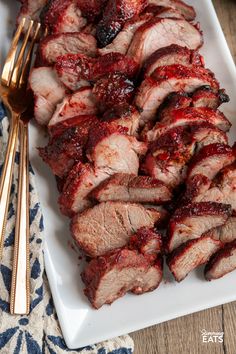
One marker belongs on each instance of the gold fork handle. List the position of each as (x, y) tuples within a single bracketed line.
[(20, 290), (6, 177)]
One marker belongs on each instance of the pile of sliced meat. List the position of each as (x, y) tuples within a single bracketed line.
[(137, 141)]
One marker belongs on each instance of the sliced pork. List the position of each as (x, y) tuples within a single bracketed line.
[(190, 255), (169, 31), (110, 277), (225, 233), (114, 16), (81, 102), (186, 10), (206, 97), (91, 9), (173, 54), (74, 68), (53, 46), (48, 92), (222, 262), (62, 16), (109, 225), (131, 188), (191, 221), (168, 79)]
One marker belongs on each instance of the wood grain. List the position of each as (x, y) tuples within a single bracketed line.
[(183, 335)]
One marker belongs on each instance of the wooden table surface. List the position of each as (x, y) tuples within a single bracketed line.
[(183, 335)]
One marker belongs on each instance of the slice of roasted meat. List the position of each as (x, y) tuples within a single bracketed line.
[(53, 46), (74, 68), (131, 188), (186, 10), (48, 92), (225, 233), (173, 54), (80, 103), (91, 9), (210, 160), (222, 262), (205, 97), (191, 221), (190, 255), (81, 180), (61, 16), (148, 242), (168, 79), (169, 31), (111, 148), (187, 117), (111, 276), (109, 225), (116, 13), (66, 146)]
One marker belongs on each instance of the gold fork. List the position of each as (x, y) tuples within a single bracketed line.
[(13, 91)]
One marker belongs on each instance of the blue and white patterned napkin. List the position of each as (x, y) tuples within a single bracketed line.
[(39, 332)]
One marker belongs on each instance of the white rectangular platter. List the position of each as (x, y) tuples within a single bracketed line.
[(81, 325)]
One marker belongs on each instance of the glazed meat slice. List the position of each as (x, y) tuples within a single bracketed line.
[(109, 225), (175, 100), (223, 188), (114, 17), (163, 12), (187, 11), (74, 68), (30, 9), (191, 221), (131, 188), (210, 160), (225, 233), (173, 54), (79, 183), (91, 9), (109, 147), (82, 102), (187, 117), (207, 134), (53, 46), (168, 31), (48, 92), (61, 16), (66, 146), (125, 116), (195, 186), (111, 276), (147, 242), (168, 79), (190, 255), (168, 157), (222, 262), (113, 89), (205, 97), (122, 41)]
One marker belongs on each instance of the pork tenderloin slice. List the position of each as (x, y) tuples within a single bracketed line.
[(82, 179), (191, 221), (126, 116), (169, 31), (225, 233), (166, 80), (111, 276), (53, 46), (222, 262), (223, 189), (147, 242), (110, 147), (131, 188), (66, 145), (190, 255), (173, 54), (80, 103), (187, 117), (210, 160), (205, 97), (122, 41), (109, 225), (186, 10), (63, 16), (48, 92)]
